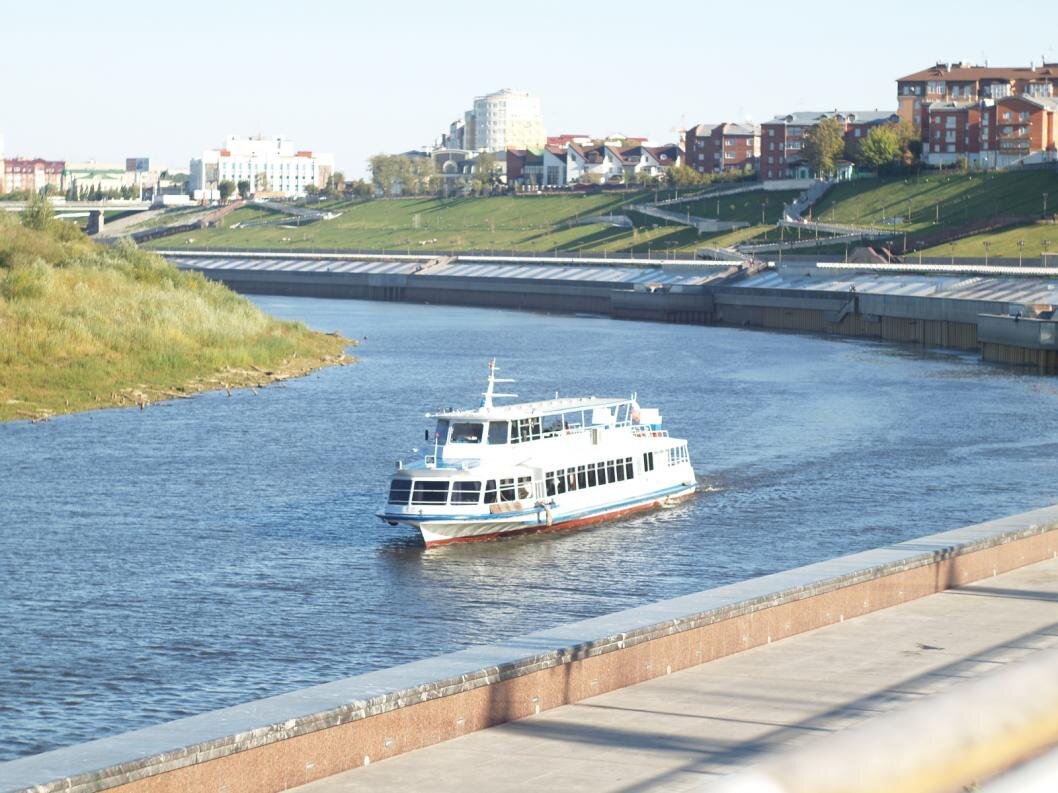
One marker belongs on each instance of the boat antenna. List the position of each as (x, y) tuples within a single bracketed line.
[(489, 393)]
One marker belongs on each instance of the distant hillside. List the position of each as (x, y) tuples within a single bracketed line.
[(923, 211), (83, 326)]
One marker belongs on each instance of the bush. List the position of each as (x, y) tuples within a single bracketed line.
[(26, 282)]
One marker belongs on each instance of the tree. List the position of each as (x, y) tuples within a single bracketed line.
[(226, 188), (243, 186), (383, 172), (684, 176), (879, 149), (360, 188), (590, 177), (822, 146), (38, 213), (485, 176)]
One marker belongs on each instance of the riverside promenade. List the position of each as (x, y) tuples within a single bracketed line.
[(684, 731)]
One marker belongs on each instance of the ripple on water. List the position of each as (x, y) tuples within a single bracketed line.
[(165, 562)]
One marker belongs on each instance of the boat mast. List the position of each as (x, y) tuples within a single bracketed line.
[(489, 393)]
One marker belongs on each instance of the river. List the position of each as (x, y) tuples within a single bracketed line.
[(208, 551)]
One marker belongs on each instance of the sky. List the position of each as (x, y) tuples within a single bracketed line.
[(113, 79)]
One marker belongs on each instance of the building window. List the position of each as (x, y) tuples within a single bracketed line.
[(949, 122), (935, 88)]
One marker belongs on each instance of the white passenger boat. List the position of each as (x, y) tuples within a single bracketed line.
[(499, 470)]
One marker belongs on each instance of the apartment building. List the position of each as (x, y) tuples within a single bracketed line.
[(716, 148), (989, 133), (782, 139), (32, 174), (965, 83), (502, 120), (270, 164)]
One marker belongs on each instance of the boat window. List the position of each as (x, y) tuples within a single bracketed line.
[(648, 461), (526, 430), (523, 486), (506, 490), (551, 487), (498, 432), (571, 479), (582, 477), (573, 419), (467, 432), (591, 475), (620, 470), (553, 425), (560, 480), (441, 433), (430, 491), (611, 475), (629, 470), (399, 491), (490, 491), (466, 492), (622, 413)]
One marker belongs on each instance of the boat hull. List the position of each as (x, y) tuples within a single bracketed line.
[(437, 533)]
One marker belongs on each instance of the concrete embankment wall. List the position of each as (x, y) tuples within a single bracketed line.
[(688, 305), (932, 321), (283, 741), (921, 320)]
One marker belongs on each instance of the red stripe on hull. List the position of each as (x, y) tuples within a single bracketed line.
[(569, 524)]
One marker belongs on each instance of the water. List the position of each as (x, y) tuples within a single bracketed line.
[(210, 551)]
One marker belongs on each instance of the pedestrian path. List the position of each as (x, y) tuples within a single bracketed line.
[(681, 731)]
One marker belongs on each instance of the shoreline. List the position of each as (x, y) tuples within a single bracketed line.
[(228, 379)]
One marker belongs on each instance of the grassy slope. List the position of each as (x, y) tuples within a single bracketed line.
[(82, 327), (534, 224)]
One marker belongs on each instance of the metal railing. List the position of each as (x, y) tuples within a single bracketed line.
[(950, 741)]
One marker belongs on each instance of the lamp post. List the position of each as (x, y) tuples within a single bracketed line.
[(951, 250), (1046, 245), (1021, 250), (1045, 205), (987, 244)]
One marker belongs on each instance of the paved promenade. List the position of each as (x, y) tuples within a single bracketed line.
[(682, 731)]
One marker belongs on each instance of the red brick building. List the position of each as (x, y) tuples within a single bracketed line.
[(993, 133), (32, 175), (715, 148), (782, 138), (964, 83)]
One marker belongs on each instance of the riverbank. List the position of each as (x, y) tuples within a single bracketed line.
[(83, 327)]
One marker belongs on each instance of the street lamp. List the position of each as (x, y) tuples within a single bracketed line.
[(987, 244), (951, 250), (1021, 250)]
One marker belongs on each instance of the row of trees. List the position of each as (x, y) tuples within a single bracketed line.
[(884, 148)]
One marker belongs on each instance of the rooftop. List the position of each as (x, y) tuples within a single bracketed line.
[(966, 72)]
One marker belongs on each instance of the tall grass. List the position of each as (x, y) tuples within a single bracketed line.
[(83, 326)]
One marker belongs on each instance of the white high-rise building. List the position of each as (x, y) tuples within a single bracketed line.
[(503, 120), (270, 165)]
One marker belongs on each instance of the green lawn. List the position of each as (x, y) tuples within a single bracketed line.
[(926, 205), (748, 207), (939, 201), (1038, 237), (534, 224)]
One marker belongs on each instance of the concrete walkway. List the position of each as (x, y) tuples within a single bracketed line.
[(682, 731)]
